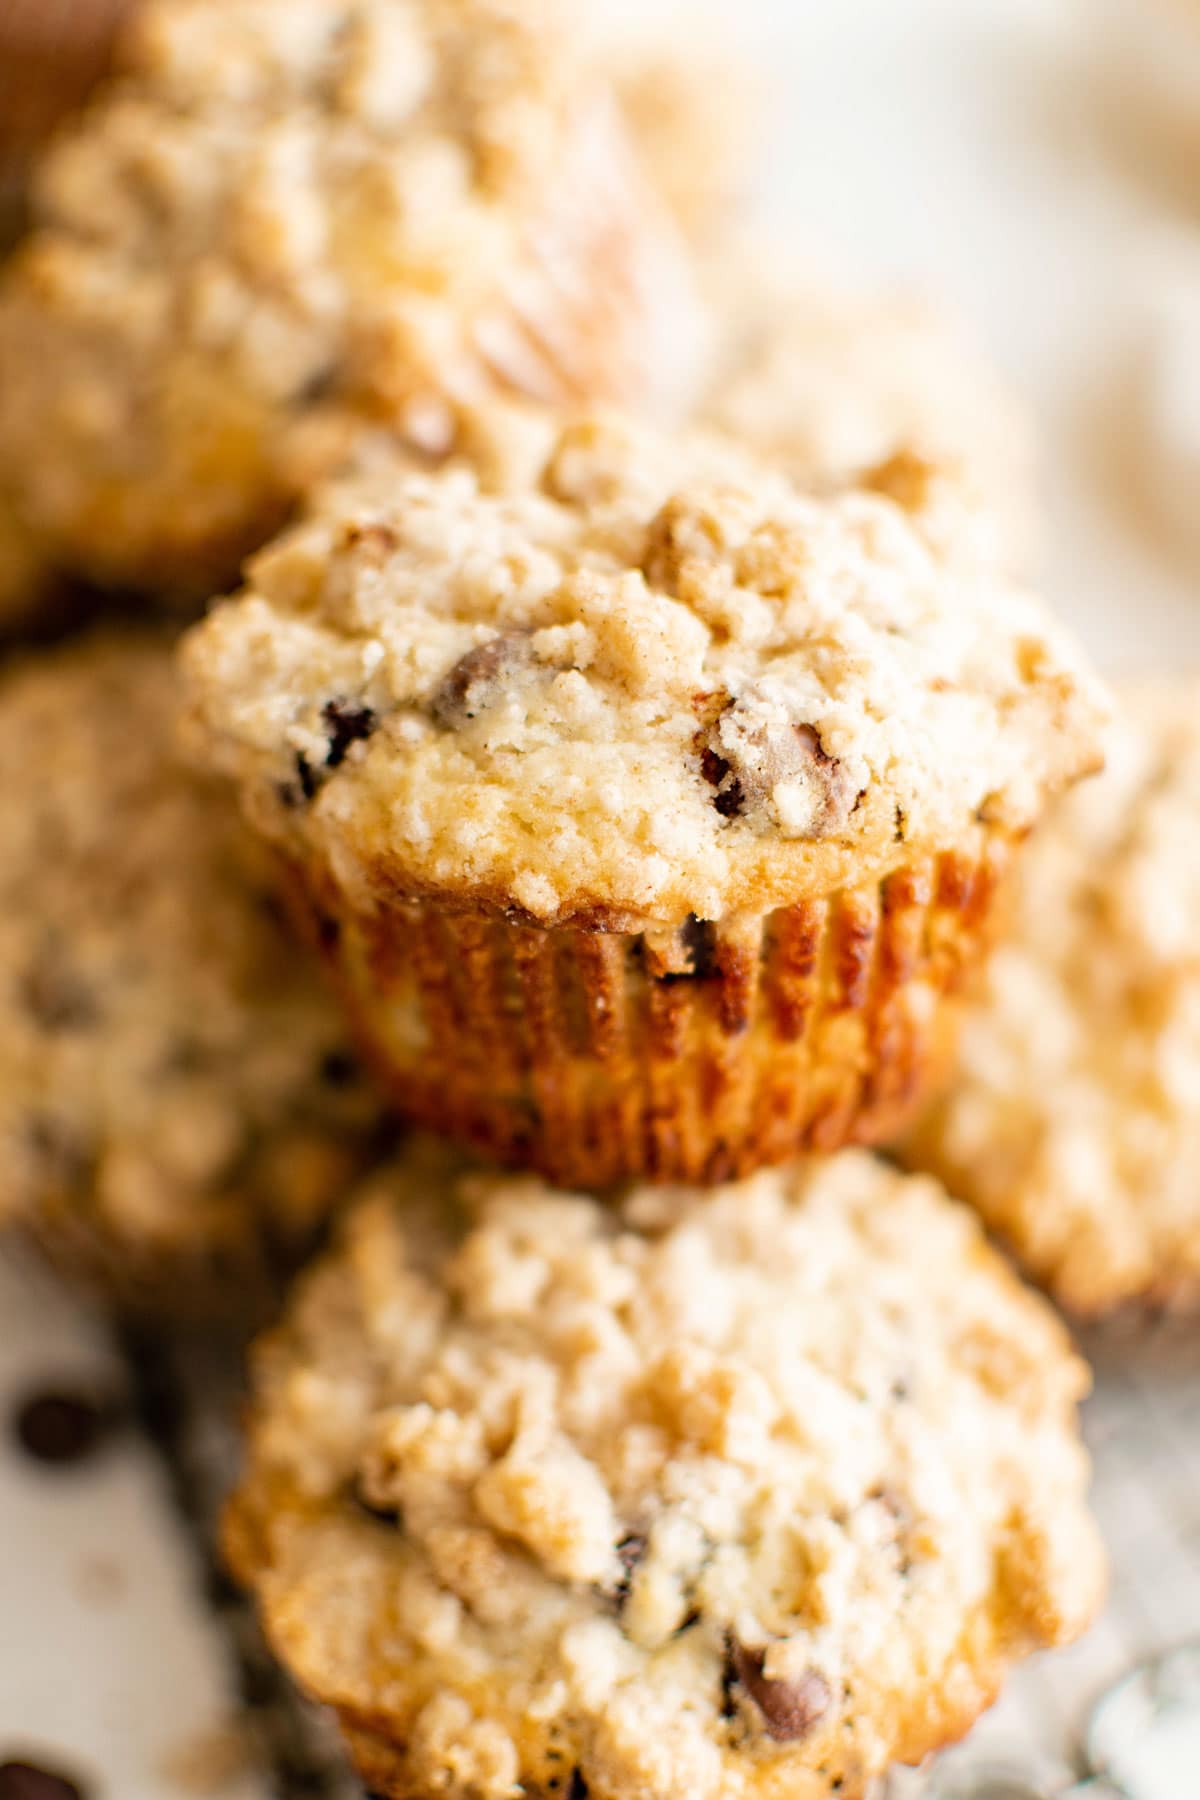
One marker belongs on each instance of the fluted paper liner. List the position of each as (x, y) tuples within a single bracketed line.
[(694, 1055)]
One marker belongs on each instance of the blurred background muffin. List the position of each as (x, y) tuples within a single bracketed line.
[(285, 220)]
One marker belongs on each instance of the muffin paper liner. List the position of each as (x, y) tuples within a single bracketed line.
[(697, 1054)]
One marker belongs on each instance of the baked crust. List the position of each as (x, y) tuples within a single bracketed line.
[(178, 1109), (728, 1496), (1073, 1123), (286, 222), (656, 680)]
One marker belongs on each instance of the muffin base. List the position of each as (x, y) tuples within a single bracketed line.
[(698, 1054)]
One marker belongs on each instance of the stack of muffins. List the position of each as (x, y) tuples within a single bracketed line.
[(641, 715)]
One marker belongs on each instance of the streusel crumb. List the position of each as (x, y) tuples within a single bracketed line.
[(178, 1109), (659, 679), (1074, 1122), (705, 1497)]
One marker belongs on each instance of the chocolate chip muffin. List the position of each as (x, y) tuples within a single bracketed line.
[(732, 1495), (178, 1107), (285, 217), (647, 812), (1074, 1120)]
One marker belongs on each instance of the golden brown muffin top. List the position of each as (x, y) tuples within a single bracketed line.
[(654, 679), (707, 1496)]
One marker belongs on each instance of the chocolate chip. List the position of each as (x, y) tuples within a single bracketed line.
[(23, 1781), (385, 1515), (700, 938), (339, 1069), (578, 1789), (747, 753), (58, 999), (791, 1709), (319, 386), (476, 679), (630, 1551), (729, 798), (59, 1427), (346, 724), (67, 1163), (305, 776)]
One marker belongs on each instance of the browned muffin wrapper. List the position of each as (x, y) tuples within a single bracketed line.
[(692, 1055)]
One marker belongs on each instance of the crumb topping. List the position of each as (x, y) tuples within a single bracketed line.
[(713, 1495), (1074, 1124), (656, 679), (286, 217), (172, 1080)]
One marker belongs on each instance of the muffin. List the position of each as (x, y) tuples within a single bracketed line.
[(647, 813), (729, 1495), (830, 382), (694, 113), (285, 217), (1074, 1120), (178, 1107)]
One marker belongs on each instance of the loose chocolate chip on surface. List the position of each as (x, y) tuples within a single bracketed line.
[(23, 1781), (474, 682), (60, 1427), (790, 1709), (346, 724)]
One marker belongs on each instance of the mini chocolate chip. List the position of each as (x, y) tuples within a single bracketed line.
[(475, 680), (329, 930), (60, 1427), (791, 1710), (747, 754), (346, 724), (728, 1683), (729, 798), (305, 776), (630, 1551), (700, 938), (339, 1069), (386, 1515), (578, 1789), (321, 385), (58, 999), (67, 1163), (23, 1781)]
